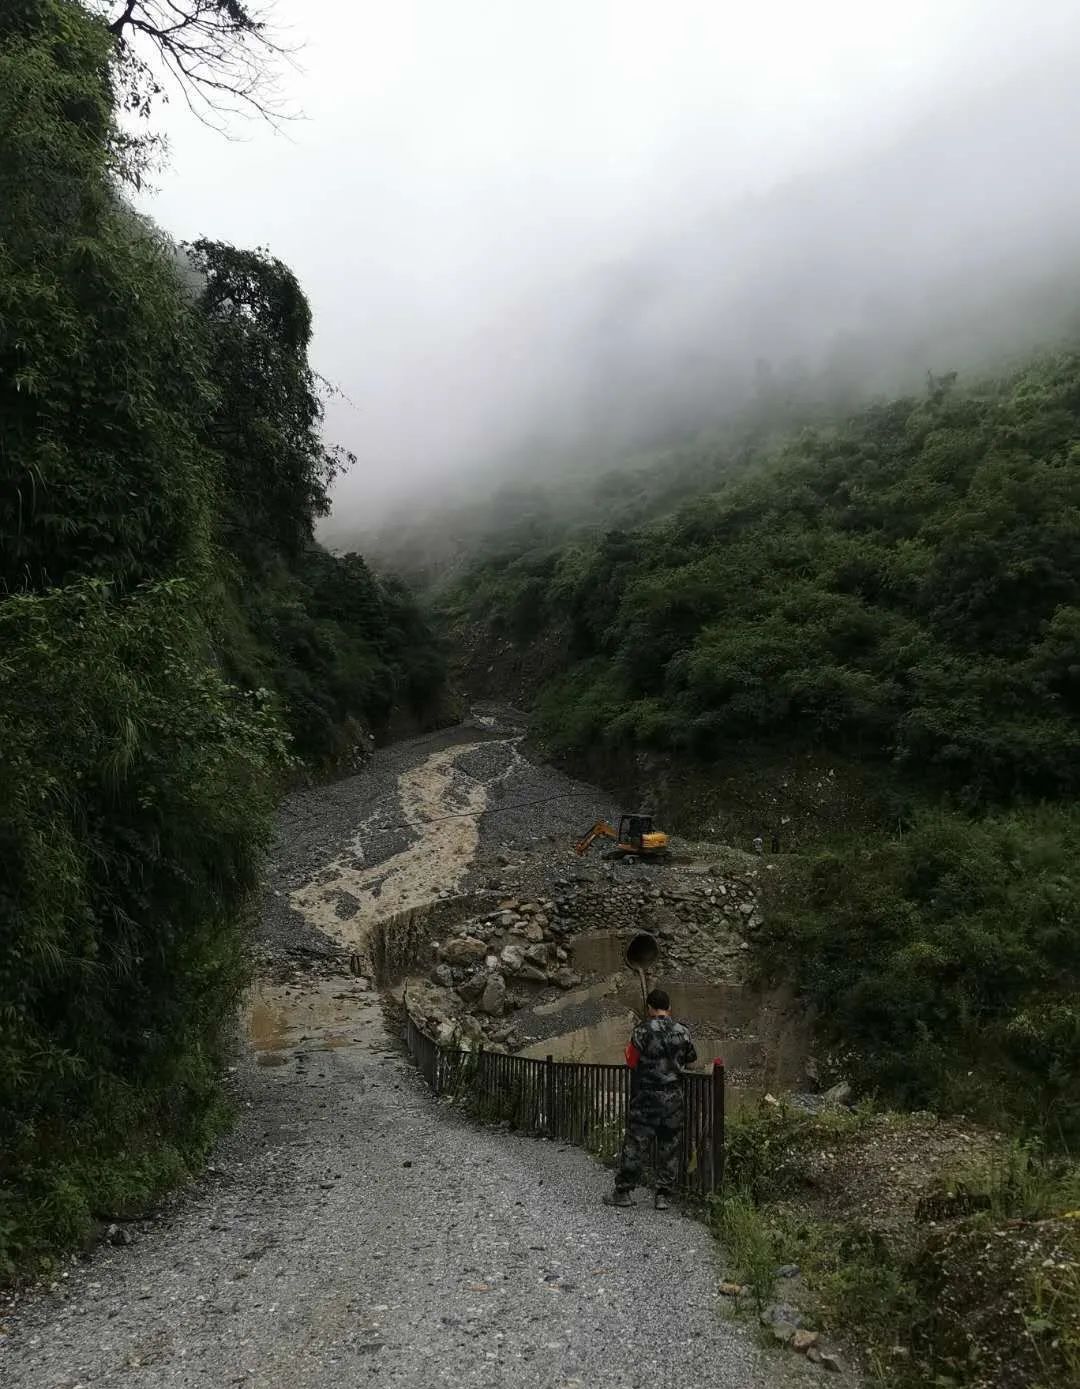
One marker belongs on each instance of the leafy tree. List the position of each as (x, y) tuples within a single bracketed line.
[(268, 412)]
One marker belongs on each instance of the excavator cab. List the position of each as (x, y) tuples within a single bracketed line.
[(635, 838), (633, 829)]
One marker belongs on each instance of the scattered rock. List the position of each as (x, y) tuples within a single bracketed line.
[(780, 1312), (513, 957), (731, 1289), (119, 1235), (803, 1340), (493, 1000), (784, 1332), (534, 931), (788, 1271), (470, 1028), (566, 978), (537, 955), (838, 1094), (443, 976)]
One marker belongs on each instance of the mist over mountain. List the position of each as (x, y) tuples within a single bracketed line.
[(949, 247)]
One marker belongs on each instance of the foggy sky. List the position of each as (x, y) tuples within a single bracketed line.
[(522, 222)]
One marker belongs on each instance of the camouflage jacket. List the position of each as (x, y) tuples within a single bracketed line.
[(665, 1048)]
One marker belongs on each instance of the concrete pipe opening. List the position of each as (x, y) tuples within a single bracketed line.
[(642, 952)]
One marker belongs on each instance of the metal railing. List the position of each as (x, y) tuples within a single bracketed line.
[(580, 1102)]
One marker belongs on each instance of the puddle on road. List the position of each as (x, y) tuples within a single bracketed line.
[(442, 807), (322, 1015), (267, 1026)]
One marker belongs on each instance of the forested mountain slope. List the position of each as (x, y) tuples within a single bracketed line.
[(900, 591), (173, 645), (907, 581)]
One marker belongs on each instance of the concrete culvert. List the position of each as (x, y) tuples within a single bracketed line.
[(643, 951)]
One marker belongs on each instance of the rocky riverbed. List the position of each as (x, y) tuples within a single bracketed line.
[(351, 1229)]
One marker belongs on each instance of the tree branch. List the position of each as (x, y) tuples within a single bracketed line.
[(222, 55)]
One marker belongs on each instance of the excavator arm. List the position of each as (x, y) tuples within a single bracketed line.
[(600, 829)]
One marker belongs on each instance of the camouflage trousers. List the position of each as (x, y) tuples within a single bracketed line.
[(652, 1118)]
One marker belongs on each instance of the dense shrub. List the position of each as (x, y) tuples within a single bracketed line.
[(136, 792), (945, 964)]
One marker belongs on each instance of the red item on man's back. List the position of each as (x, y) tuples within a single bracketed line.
[(633, 1056)]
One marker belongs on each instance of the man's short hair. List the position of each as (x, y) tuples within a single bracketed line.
[(659, 1000)]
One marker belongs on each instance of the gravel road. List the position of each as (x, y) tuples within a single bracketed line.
[(353, 1230)]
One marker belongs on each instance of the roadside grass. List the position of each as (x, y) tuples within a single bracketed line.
[(975, 1285)]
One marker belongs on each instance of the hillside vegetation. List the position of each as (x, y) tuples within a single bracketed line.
[(902, 589), (172, 643)]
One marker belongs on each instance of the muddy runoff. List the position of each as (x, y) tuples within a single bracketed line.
[(439, 811), (763, 1036), (381, 913)]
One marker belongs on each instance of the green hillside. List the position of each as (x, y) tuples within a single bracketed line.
[(902, 591)]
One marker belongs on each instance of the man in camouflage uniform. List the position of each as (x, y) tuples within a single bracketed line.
[(660, 1050)]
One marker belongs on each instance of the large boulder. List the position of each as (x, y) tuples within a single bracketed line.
[(473, 989), (533, 973), (537, 955), (493, 1001), (465, 950)]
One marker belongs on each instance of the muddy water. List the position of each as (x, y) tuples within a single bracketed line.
[(601, 952), (440, 805), (603, 1041), (763, 1036), (319, 1015)]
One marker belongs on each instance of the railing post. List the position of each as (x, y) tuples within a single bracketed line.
[(549, 1095), (718, 1141)]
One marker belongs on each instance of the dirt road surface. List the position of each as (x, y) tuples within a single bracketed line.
[(352, 1230)]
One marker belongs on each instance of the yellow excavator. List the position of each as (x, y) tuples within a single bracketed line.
[(635, 838)]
